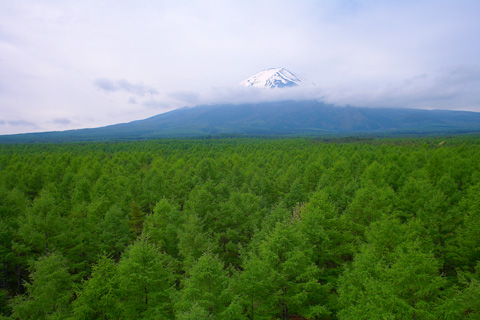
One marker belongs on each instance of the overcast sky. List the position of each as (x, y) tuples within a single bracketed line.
[(68, 64)]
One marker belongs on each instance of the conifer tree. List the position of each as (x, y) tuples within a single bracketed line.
[(49, 291), (145, 281), (205, 285), (98, 297)]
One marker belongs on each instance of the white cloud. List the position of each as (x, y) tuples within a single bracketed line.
[(138, 89), (117, 61)]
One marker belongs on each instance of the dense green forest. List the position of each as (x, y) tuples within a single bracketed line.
[(241, 229)]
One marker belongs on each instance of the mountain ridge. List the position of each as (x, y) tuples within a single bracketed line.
[(278, 118)]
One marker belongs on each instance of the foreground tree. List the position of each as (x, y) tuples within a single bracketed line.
[(284, 262), (41, 226), (204, 288), (406, 284), (192, 241), (162, 227), (146, 282), (98, 297), (114, 232), (49, 291)]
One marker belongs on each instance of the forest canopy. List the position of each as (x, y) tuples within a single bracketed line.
[(241, 229)]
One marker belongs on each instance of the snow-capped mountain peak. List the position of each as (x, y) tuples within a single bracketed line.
[(275, 78)]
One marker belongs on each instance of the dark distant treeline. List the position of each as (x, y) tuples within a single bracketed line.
[(241, 229)]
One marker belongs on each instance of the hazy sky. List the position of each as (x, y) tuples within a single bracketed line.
[(77, 63)]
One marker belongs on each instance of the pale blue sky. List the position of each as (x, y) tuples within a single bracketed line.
[(84, 63)]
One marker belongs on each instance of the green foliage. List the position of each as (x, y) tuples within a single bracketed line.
[(238, 220), (192, 241), (49, 292), (4, 308), (204, 288), (347, 228), (161, 227), (405, 285), (145, 281), (284, 275), (468, 299), (331, 238), (114, 232), (465, 248), (42, 225), (136, 218), (97, 298)]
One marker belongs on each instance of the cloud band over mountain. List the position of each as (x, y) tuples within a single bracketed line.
[(138, 89)]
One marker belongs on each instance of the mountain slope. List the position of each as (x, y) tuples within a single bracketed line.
[(275, 78), (272, 118)]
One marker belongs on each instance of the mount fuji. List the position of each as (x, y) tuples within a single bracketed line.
[(278, 118), (273, 118), (276, 78)]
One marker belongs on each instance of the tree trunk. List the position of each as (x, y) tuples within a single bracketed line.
[(46, 242), (146, 297), (253, 317), (5, 276), (19, 279), (284, 311)]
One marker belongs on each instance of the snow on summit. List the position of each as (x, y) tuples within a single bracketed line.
[(275, 78)]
